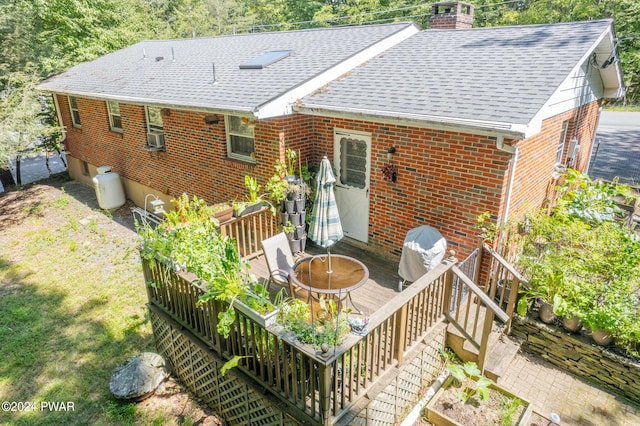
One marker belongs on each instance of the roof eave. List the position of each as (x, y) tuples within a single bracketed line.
[(173, 104), (486, 128)]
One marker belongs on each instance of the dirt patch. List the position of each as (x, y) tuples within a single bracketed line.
[(475, 412)]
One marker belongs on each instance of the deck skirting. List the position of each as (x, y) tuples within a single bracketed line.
[(240, 401)]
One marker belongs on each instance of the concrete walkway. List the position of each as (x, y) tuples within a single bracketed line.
[(552, 390)]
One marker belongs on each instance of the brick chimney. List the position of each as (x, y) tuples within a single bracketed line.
[(451, 15)]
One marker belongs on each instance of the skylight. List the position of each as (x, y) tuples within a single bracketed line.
[(265, 60)]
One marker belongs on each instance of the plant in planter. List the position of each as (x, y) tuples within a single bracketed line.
[(189, 240), (329, 328), (253, 203), (545, 285), (467, 398)]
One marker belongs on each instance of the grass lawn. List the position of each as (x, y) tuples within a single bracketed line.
[(72, 307)]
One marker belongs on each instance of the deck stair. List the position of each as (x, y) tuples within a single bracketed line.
[(501, 349)]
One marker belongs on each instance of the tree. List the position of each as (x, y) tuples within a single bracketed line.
[(21, 126)]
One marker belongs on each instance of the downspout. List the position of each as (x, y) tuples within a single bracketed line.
[(60, 122), (512, 173)]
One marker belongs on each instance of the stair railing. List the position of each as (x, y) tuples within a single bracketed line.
[(471, 311)]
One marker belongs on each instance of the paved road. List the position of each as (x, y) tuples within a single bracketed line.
[(33, 168), (617, 148)]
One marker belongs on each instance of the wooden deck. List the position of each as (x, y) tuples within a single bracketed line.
[(381, 287)]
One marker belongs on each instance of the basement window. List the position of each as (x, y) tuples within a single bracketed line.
[(265, 60)]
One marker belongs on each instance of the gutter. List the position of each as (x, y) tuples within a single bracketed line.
[(486, 128), (63, 129)]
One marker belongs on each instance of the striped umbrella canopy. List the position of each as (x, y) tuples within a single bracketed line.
[(325, 228)]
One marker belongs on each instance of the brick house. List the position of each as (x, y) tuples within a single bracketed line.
[(473, 120)]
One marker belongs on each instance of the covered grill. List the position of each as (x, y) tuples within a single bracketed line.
[(423, 249)]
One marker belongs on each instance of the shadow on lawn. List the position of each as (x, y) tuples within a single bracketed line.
[(51, 354)]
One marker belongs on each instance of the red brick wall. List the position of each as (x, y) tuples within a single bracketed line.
[(195, 160), (533, 185), (445, 179)]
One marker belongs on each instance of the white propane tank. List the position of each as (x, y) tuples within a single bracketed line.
[(109, 189)]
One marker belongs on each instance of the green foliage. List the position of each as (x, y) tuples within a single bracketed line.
[(584, 262), (188, 239), (472, 382), (508, 409), (253, 187), (329, 327), (590, 201)]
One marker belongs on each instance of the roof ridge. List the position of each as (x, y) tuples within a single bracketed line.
[(336, 28), (610, 20)]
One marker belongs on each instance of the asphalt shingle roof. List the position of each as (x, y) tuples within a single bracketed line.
[(498, 74), (127, 75)]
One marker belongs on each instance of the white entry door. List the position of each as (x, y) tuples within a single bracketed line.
[(353, 163)]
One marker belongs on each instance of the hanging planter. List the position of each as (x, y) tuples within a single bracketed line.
[(390, 172)]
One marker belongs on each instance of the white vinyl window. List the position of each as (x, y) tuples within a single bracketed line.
[(240, 138), (115, 120), (75, 114), (563, 138), (154, 120)]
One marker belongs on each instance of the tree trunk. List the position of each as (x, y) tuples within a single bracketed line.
[(6, 178), (61, 159), (18, 177), (46, 162)]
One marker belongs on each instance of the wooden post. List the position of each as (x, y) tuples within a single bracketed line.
[(478, 266), (448, 284), (324, 373), (511, 304), (401, 333), (484, 341)]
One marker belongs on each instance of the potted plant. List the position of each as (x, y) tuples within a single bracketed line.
[(222, 212), (254, 202), (467, 398), (189, 240), (545, 283)]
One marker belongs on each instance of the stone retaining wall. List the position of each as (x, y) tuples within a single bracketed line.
[(577, 354)]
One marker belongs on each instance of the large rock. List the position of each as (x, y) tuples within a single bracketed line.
[(139, 377)]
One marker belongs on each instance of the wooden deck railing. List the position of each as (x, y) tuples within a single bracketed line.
[(250, 230), (321, 387)]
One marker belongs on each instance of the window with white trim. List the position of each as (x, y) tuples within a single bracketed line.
[(155, 129), (75, 114), (154, 120), (240, 138), (563, 138), (115, 120)]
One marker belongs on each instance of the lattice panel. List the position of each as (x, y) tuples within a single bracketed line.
[(229, 396), (398, 397)]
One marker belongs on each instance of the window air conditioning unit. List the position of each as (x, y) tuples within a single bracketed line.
[(155, 140)]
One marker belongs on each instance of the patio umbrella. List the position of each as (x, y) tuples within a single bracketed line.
[(325, 228)]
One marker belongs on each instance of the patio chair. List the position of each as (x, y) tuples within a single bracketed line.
[(279, 259)]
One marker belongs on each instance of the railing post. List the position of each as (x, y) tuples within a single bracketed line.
[(511, 304), (401, 333), (484, 341), (448, 284), (324, 388), (478, 266)]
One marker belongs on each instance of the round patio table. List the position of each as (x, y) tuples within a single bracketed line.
[(347, 274)]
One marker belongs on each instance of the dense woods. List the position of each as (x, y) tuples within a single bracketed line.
[(39, 38)]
